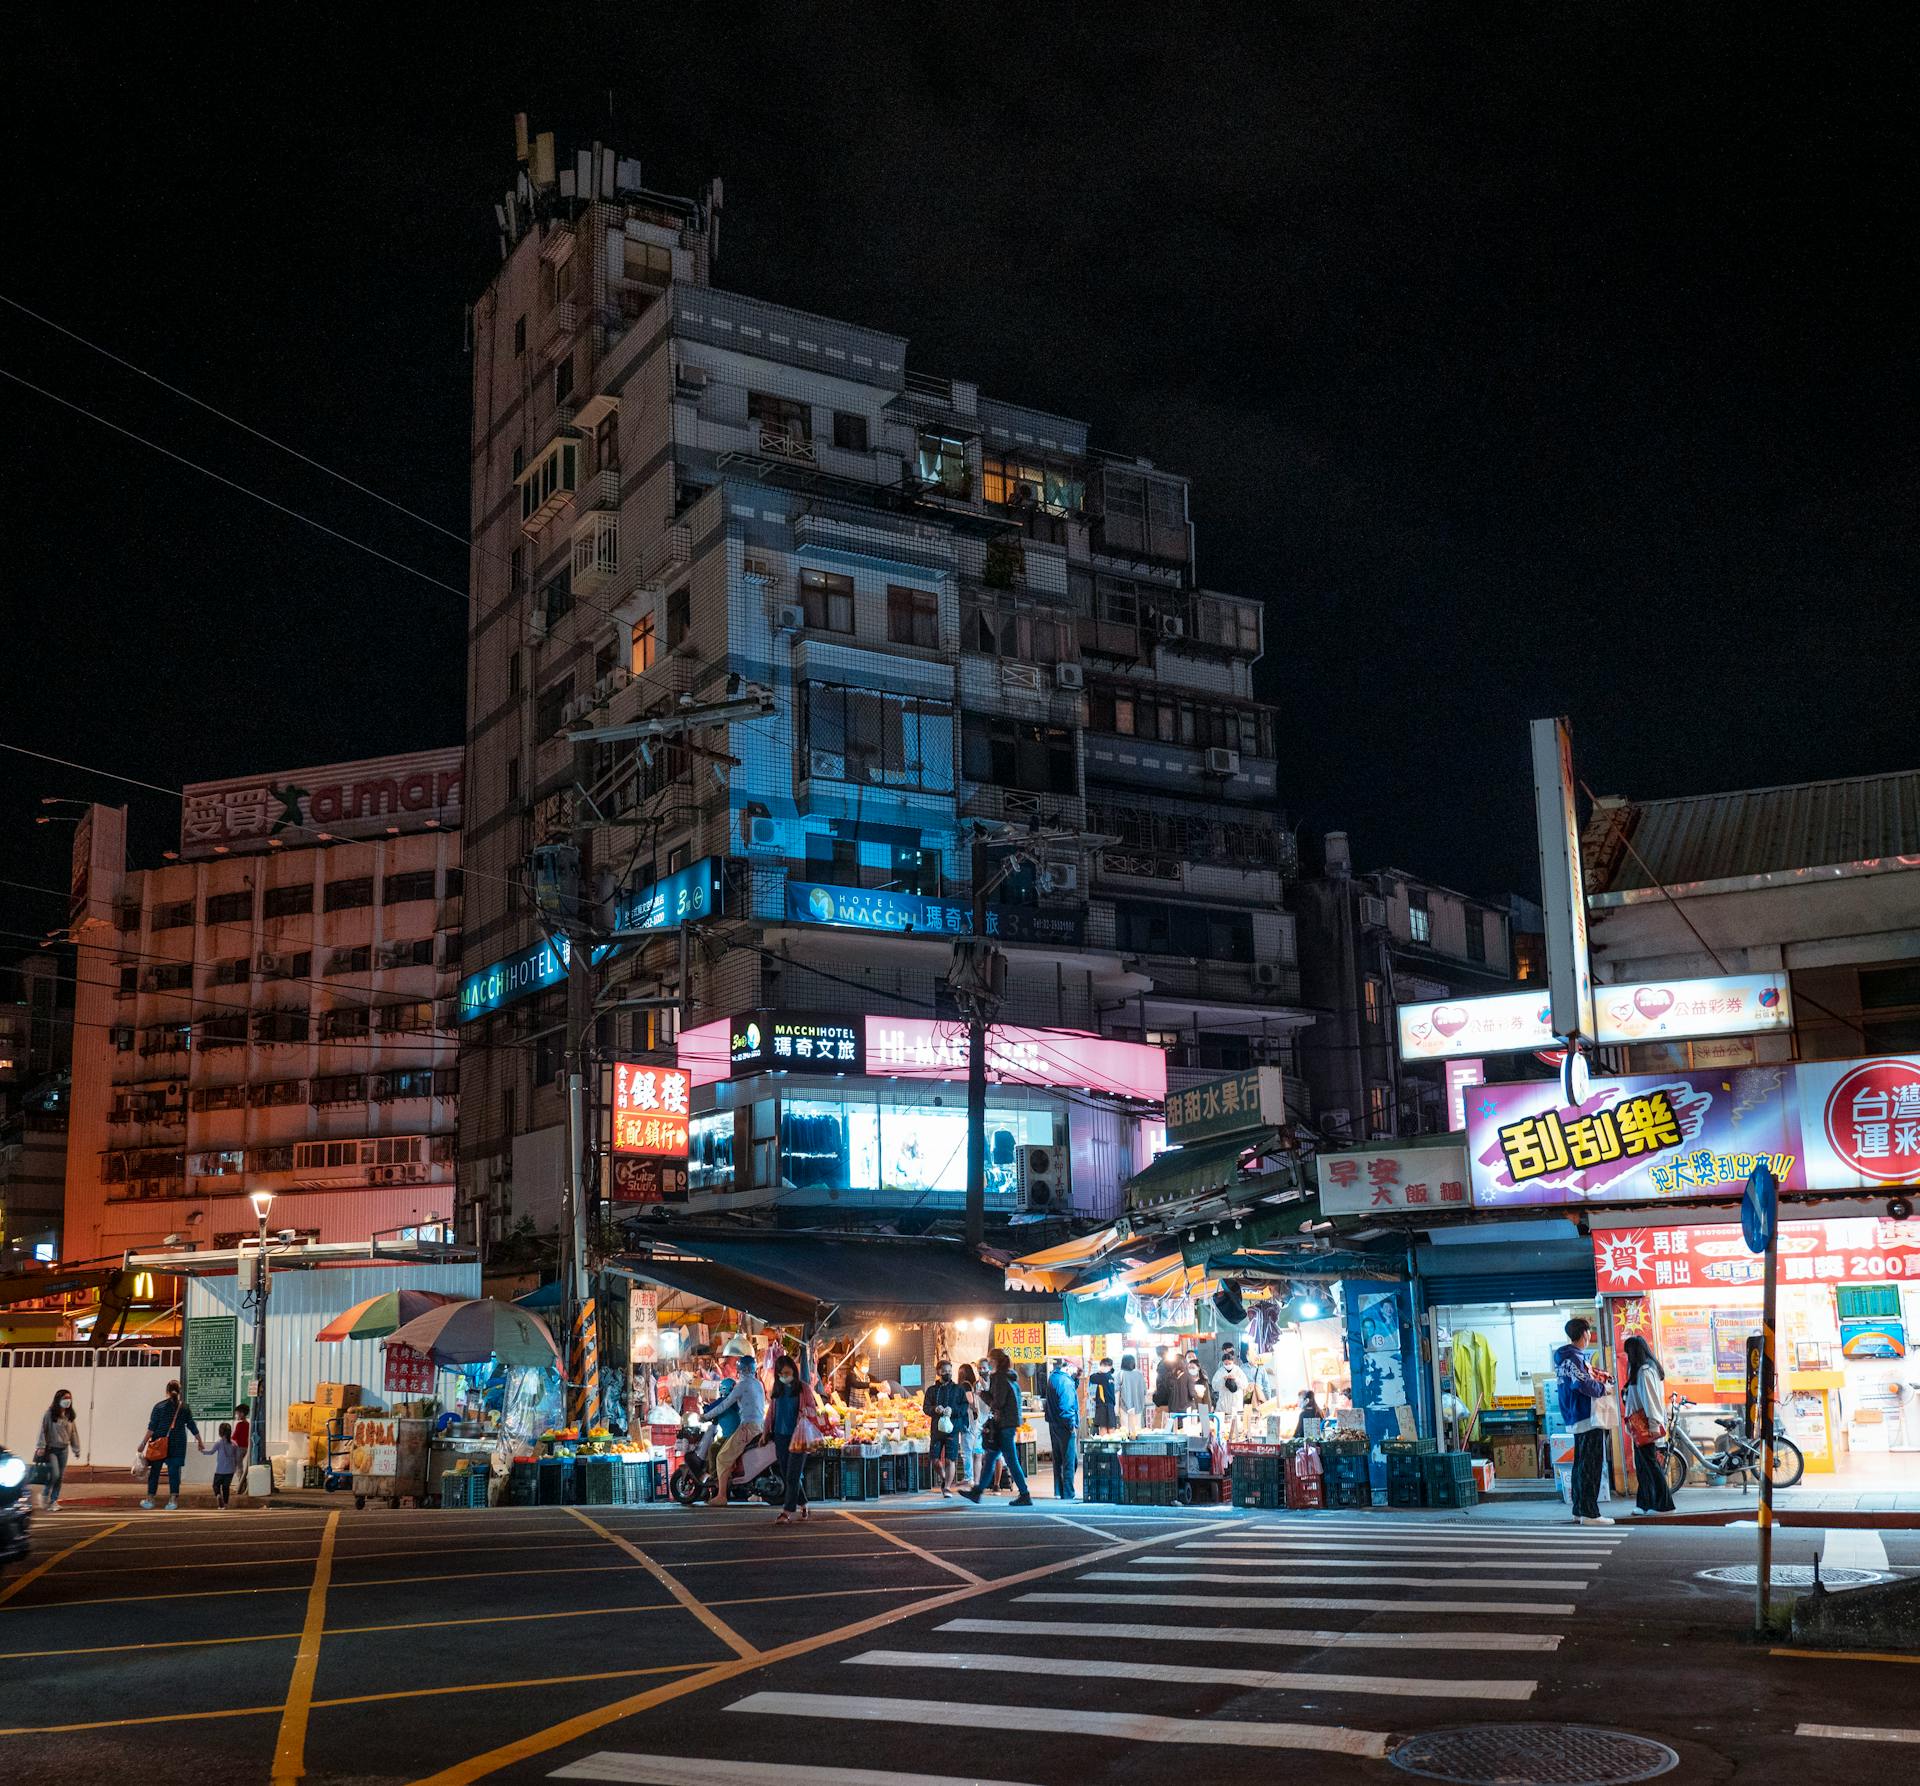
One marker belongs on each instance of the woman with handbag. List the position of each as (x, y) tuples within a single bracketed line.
[(1645, 1404), (166, 1445), (59, 1439), (793, 1423), (1002, 1435)]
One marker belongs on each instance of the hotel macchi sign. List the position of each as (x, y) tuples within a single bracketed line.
[(420, 791)]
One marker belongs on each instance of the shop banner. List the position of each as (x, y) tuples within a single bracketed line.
[(1250, 1100), (1819, 1126), (1848, 1250), (920, 914), (1460, 1077), (211, 1353), (1683, 1010), (683, 897), (763, 1039), (650, 1110), (405, 1371), (1025, 1342), (1506, 1023), (643, 1326), (1397, 1179)]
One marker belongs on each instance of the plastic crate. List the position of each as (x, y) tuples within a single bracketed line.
[(1304, 1491), (1447, 1466), (523, 1482), (1408, 1448), (596, 1481), (859, 1478), (463, 1488), (1149, 1492), (1403, 1491), (554, 1472), (1453, 1494), (1100, 1480), (1348, 1494)]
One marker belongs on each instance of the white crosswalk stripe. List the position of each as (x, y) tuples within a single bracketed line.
[(1213, 1559), (1139, 1727), (1474, 1580), (687, 1770), (1290, 1603), (1859, 1733), (1258, 1679), (1434, 1547), (1101, 1631)]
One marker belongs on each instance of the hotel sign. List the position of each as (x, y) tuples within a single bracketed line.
[(917, 914)]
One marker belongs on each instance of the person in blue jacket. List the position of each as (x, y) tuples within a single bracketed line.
[(1580, 1386), (1063, 1427), (170, 1420)]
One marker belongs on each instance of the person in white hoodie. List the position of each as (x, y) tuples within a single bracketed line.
[(1130, 1393), (1230, 1395)]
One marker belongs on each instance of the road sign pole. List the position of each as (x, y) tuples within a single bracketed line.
[(1760, 1218)]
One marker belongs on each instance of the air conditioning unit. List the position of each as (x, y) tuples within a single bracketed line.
[(392, 955), (1042, 1176), (691, 378), (537, 621), (1373, 911), (763, 834), (273, 966), (1059, 877), (827, 765), (1069, 676), (610, 685), (1172, 627), (1268, 973), (380, 1175), (1222, 762), (576, 709), (789, 617)]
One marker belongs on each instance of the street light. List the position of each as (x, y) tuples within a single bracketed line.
[(262, 1202)]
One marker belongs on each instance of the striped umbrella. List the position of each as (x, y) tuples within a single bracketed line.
[(476, 1331), (380, 1315)]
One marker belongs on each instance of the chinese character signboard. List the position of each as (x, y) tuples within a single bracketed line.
[(764, 1039), (420, 791), (1563, 893), (1852, 1250), (1510, 1022), (933, 1048), (405, 1371), (1401, 1180), (643, 1326), (919, 914), (1682, 1010), (1025, 1342), (1460, 1077), (211, 1354), (683, 897), (1819, 1126), (1250, 1100), (650, 1110)]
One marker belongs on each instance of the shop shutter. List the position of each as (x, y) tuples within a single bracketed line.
[(1509, 1286)]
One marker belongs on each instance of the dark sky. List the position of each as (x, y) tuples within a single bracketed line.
[(1525, 360)]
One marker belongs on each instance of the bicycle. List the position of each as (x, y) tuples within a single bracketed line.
[(1735, 1455)]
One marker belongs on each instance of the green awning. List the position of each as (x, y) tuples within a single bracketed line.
[(1263, 1224), (1087, 1315), (1188, 1171)]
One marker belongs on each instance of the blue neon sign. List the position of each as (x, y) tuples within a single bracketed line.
[(684, 897), (916, 914), (532, 970)]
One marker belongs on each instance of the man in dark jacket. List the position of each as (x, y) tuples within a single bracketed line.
[(1003, 1431), (171, 1421), (1580, 1386), (945, 1399), (1162, 1386), (1063, 1427)]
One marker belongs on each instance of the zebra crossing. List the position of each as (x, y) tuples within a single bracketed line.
[(1187, 1645)]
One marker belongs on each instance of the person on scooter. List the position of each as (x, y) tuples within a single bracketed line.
[(745, 1398)]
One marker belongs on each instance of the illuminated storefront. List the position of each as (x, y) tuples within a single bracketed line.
[(1849, 1308)]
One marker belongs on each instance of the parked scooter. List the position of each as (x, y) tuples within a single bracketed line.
[(692, 1481), (16, 1514)]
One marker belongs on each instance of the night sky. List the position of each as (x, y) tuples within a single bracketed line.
[(1525, 360)]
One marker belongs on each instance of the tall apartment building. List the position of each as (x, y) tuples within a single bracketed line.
[(36, 1042), (964, 610), (1372, 943), (273, 1010)]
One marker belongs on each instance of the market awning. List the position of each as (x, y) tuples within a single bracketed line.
[(1056, 1267), (1262, 1224), (1189, 1171), (789, 1277)]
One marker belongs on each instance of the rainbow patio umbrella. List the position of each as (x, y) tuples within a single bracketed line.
[(380, 1315), (477, 1331)]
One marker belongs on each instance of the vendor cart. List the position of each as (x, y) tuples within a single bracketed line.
[(389, 1459)]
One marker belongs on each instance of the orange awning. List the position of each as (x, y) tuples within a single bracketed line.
[(1054, 1268)]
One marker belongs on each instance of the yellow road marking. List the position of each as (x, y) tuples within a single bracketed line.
[(58, 1557), (685, 1595), (1849, 1656), (541, 1742), (262, 1711), (344, 1556), (290, 1749), (926, 1556), (115, 1649)]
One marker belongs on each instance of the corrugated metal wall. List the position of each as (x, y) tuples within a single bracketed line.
[(1101, 1155), (301, 1303)]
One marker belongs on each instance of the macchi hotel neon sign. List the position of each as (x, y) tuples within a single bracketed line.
[(936, 1048)]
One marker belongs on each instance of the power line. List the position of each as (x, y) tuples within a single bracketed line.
[(219, 478), (246, 427), (87, 768)]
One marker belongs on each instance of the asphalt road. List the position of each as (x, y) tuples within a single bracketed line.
[(910, 1641)]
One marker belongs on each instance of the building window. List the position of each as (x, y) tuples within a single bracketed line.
[(235, 971), (1018, 633), (849, 432), (881, 739), (834, 860), (519, 336), (828, 599), (606, 444), (644, 646), (350, 961), (1370, 1001), (230, 908), (557, 598), (288, 902), (224, 1032), (175, 976), (943, 463), (1419, 920), (417, 884), (345, 896), (174, 916), (281, 1026), (1476, 935), (1208, 933), (563, 380), (1379, 1110), (553, 702), (780, 416), (913, 617), (129, 979), (1014, 483), (1014, 754), (679, 617), (413, 1018), (513, 778), (347, 1021), (646, 263)]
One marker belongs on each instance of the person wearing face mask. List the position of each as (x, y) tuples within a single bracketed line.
[(165, 1446), (792, 1403), (945, 1406), (59, 1439), (1580, 1386)]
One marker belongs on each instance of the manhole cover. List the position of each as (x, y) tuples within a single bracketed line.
[(1793, 1575), (1534, 1755)]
